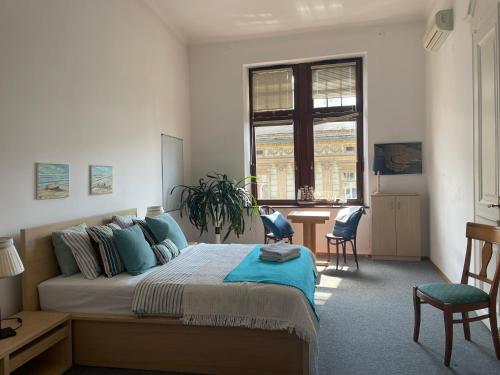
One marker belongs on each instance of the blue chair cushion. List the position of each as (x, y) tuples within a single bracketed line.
[(134, 250), (455, 294), (164, 226), (348, 229), (277, 224)]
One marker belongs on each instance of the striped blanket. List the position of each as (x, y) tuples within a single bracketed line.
[(191, 286)]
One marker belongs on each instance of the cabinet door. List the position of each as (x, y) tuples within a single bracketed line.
[(408, 226), (383, 225)]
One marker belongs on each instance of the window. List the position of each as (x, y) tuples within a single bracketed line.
[(307, 129)]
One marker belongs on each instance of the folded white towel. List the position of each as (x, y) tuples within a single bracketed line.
[(279, 259), (280, 249)]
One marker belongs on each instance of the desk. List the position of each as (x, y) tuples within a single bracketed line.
[(309, 219)]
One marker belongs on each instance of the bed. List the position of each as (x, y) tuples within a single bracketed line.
[(113, 337)]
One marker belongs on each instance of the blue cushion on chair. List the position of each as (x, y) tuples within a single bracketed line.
[(349, 228), (455, 294), (277, 224)]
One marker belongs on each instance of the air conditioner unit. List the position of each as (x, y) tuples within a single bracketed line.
[(439, 30)]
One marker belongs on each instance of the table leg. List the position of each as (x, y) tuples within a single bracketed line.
[(310, 241)]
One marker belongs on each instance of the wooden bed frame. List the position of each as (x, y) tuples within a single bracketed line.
[(164, 344)]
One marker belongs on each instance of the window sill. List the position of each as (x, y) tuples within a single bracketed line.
[(303, 206)]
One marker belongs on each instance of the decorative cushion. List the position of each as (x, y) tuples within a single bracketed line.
[(63, 253), (134, 250), (165, 251), (277, 224), (164, 226), (146, 231), (125, 221), (108, 252), (455, 294), (83, 252)]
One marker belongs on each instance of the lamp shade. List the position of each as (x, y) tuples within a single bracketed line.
[(10, 263), (154, 211), (378, 163)]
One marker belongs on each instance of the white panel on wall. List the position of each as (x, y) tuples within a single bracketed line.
[(172, 171)]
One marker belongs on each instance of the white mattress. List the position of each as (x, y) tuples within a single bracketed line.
[(77, 294)]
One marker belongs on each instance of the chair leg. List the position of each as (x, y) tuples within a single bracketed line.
[(290, 240), (465, 316), (448, 327), (494, 331), (343, 251), (337, 248), (328, 249), (355, 251), (416, 308)]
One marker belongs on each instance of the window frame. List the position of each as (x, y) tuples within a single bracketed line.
[(303, 116)]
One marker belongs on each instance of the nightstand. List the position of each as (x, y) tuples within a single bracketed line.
[(41, 346)]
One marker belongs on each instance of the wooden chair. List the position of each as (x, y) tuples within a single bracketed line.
[(268, 234), (464, 298), (344, 233)]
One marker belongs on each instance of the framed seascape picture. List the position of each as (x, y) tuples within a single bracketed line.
[(52, 181), (101, 179), (400, 158)]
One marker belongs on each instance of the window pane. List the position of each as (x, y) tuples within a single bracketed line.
[(275, 163), (272, 90), (335, 159), (334, 85)]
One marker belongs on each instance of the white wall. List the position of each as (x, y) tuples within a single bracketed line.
[(394, 86), (85, 82), (450, 143)]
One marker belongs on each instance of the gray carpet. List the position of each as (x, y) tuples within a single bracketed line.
[(367, 327)]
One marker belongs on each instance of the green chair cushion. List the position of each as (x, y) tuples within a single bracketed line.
[(454, 294)]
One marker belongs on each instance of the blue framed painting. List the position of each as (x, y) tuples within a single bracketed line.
[(101, 179), (400, 158), (52, 181)]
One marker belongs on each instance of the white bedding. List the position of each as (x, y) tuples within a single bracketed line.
[(77, 294)]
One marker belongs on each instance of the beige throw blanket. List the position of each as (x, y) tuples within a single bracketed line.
[(196, 291)]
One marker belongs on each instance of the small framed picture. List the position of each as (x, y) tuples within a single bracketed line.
[(101, 179), (52, 181)]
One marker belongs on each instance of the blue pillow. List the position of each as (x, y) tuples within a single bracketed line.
[(277, 224), (64, 256), (164, 226), (135, 252)]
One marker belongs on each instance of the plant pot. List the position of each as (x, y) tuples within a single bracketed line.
[(217, 235)]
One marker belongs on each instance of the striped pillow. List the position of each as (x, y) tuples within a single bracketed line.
[(146, 231), (124, 221), (103, 236), (85, 256), (165, 251)]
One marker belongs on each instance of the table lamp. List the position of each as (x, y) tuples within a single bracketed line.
[(154, 211), (378, 166), (10, 265)]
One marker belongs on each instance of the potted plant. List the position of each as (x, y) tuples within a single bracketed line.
[(219, 201)]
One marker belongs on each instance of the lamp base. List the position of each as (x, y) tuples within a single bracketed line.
[(6, 332)]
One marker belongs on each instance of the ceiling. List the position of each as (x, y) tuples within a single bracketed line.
[(204, 21)]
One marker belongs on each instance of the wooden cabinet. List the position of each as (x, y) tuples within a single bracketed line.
[(396, 228)]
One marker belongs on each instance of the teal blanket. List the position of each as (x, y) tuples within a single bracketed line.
[(299, 273)]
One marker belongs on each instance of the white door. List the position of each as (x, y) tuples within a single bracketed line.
[(486, 125)]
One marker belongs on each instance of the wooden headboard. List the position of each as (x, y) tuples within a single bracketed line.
[(38, 255)]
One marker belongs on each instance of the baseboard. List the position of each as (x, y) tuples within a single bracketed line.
[(441, 273)]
